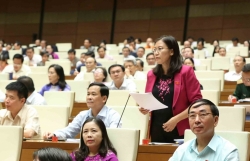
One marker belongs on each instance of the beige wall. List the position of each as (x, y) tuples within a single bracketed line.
[(73, 21)]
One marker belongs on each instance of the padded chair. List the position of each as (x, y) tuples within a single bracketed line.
[(11, 139), (119, 98), (227, 123), (148, 67), (64, 46), (119, 59), (210, 84), (201, 67), (13, 52), (65, 98), (39, 79), (39, 69), (63, 63), (62, 55), (80, 51), (220, 63), (201, 54), (106, 63), (4, 83), (211, 75), (4, 76), (80, 89), (113, 51), (239, 138), (206, 62), (133, 118), (212, 95), (49, 113), (140, 85), (125, 141)]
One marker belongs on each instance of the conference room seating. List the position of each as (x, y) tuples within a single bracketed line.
[(212, 95), (210, 84), (239, 138), (140, 85), (39, 69), (125, 141), (226, 123), (220, 63), (4, 83), (119, 98), (211, 75), (206, 62), (80, 51), (65, 98), (11, 138), (4, 76), (201, 67), (63, 46), (65, 63), (52, 117), (133, 118), (13, 52), (106, 63), (80, 89)]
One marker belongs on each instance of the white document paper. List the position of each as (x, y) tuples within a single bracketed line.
[(147, 101)]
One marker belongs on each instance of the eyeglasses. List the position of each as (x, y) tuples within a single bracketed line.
[(159, 49), (118, 71), (192, 116)]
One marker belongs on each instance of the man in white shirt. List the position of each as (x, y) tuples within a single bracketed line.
[(200, 47), (187, 44), (90, 67), (131, 71), (141, 52), (239, 62), (150, 59), (189, 53), (34, 98), (18, 68), (32, 58), (102, 54), (126, 53), (117, 73), (235, 43)]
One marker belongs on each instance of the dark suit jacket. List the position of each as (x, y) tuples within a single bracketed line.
[(5, 54), (186, 91)]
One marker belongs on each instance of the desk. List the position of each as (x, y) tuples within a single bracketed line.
[(30, 146), (145, 152)]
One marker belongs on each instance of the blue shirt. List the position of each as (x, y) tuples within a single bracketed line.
[(108, 115), (50, 87), (218, 149)]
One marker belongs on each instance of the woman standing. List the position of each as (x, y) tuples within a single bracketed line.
[(174, 85)]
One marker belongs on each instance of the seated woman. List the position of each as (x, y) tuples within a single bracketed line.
[(53, 154), (94, 143), (190, 62), (52, 54), (100, 74), (56, 80)]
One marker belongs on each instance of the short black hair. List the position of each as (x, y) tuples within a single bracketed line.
[(18, 43), (116, 65), (149, 55), (141, 62), (125, 47), (44, 53), (235, 39), (139, 40), (100, 48), (90, 53), (21, 89), (104, 90), (28, 82), (18, 56), (201, 102), (72, 51), (88, 40), (53, 154), (246, 68), (30, 48)]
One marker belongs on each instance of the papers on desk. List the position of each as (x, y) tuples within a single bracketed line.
[(157, 143), (147, 101), (244, 100)]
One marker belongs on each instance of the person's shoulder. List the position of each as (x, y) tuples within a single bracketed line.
[(111, 154)]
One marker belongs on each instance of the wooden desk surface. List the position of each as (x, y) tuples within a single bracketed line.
[(145, 152)]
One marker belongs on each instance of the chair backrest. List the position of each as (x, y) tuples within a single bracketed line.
[(148, 67), (11, 139), (63, 63), (13, 52), (80, 89), (39, 79), (212, 95), (64, 46), (4, 83), (119, 98), (133, 118), (239, 138), (211, 75), (220, 63), (126, 142), (227, 123), (4, 76), (140, 85), (210, 84), (65, 98), (206, 62), (51, 117), (39, 69), (106, 63), (201, 67), (201, 54)]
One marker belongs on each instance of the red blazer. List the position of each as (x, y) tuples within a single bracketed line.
[(186, 91)]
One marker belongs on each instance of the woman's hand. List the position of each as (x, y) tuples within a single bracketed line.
[(143, 110), (170, 125)]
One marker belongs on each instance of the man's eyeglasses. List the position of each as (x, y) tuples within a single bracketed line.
[(192, 116), (118, 71)]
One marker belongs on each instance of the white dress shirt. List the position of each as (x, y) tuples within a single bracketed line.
[(232, 76), (127, 84), (138, 75), (25, 70), (35, 99), (35, 59)]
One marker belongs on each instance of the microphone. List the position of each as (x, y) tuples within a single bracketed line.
[(123, 111)]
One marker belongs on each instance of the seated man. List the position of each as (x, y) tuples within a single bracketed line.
[(34, 98), (239, 62), (140, 52), (90, 67), (242, 89), (87, 45), (235, 43), (131, 70), (4, 53), (17, 113), (102, 54), (117, 73), (18, 68), (72, 58), (140, 64), (32, 58), (96, 99), (150, 59), (189, 53), (200, 47), (126, 53), (186, 44), (203, 117), (45, 57)]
